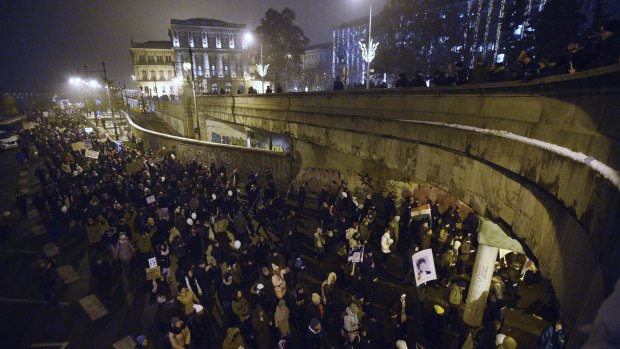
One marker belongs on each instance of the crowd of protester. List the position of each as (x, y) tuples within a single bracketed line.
[(597, 51), (232, 246)]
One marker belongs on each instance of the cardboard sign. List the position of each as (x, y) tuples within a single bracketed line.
[(424, 267), (45, 114), (77, 146), (88, 129), (153, 273), (134, 167), (91, 154), (150, 199), (152, 262)]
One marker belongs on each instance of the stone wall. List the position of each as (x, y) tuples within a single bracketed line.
[(480, 144), (245, 160)]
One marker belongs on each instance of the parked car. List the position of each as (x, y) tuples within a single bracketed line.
[(7, 140)]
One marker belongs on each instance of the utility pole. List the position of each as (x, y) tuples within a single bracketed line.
[(105, 75), (83, 97), (143, 103), (92, 100)]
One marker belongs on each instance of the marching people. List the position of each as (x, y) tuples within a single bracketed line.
[(213, 261)]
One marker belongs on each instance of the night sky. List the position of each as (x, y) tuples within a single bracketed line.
[(44, 41)]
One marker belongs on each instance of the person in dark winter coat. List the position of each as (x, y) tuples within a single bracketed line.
[(262, 324), (314, 337), (553, 337)]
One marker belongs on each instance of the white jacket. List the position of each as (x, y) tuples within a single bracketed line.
[(386, 242)]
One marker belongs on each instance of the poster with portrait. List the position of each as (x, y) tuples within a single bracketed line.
[(424, 267)]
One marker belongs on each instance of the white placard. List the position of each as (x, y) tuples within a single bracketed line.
[(150, 199), (424, 267), (88, 129), (92, 154), (152, 262)]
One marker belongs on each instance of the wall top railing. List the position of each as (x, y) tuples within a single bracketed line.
[(198, 142)]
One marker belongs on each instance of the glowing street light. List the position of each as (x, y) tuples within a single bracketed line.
[(368, 52), (261, 68)]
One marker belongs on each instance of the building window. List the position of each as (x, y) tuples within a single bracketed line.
[(161, 75), (214, 89), (151, 59), (168, 59), (141, 59), (228, 88), (144, 76), (160, 59), (170, 76), (153, 77)]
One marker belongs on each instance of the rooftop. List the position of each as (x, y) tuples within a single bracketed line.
[(206, 22), (321, 46), (160, 44)]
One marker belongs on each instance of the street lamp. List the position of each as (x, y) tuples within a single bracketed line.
[(78, 81), (187, 66), (368, 52), (261, 68)]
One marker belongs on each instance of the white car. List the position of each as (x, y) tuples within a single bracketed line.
[(7, 140)]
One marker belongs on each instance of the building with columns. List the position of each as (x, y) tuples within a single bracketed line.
[(317, 67), (153, 67), (220, 57)]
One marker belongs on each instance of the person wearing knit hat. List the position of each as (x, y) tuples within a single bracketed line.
[(142, 342), (315, 309), (314, 337)]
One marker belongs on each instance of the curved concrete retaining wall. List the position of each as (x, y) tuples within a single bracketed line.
[(245, 160), (509, 150)]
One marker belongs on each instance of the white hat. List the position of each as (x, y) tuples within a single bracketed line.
[(190, 221), (344, 194), (499, 339), (230, 193), (214, 196), (237, 244), (260, 287), (194, 216), (63, 209), (401, 344), (198, 308), (75, 172)]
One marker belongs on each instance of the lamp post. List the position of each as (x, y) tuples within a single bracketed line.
[(81, 83), (91, 84), (105, 75), (262, 69), (143, 103), (368, 52), (187, 66)]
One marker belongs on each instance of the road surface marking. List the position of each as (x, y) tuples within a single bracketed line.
[(67, 274), (93, 307), (30, 301), (61, 345), (125, 343), (20, 251)]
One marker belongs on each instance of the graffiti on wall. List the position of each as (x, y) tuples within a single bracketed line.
[(317, 178), (230, 140)]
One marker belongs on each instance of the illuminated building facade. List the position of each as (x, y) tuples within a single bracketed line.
[(220, 55), (347, 58), (153, 69)]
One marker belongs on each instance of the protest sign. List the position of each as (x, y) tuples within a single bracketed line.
[(153, 273), (88, 144), (424, 267), (134, 167), (150, 199), (91, 154), (152, 262), (77, 146)]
